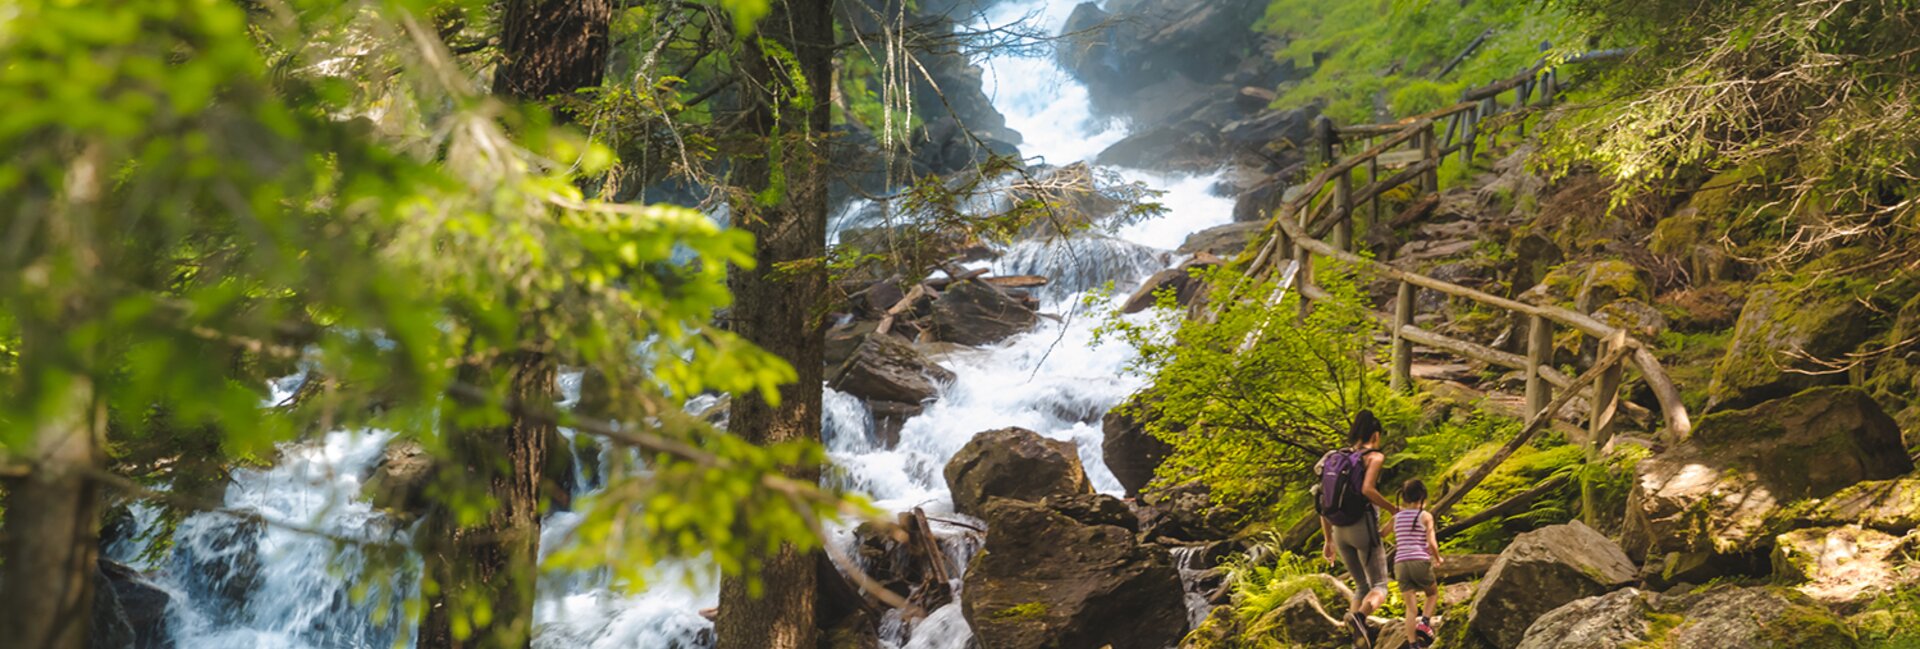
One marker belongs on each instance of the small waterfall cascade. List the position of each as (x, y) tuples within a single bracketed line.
[(240, 584)]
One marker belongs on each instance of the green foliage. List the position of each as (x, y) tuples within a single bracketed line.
[(1816, 93), (1259, 589), (198, 202), (1361, 52), (1252, 399)]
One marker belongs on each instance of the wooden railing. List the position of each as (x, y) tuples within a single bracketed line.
[(1326, 205)]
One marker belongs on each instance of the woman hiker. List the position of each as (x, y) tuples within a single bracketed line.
[(1347, 498)]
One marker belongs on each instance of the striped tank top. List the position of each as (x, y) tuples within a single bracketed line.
[(1409, 538)]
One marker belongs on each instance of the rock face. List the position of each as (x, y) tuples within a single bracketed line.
[(976, 313), (399, 482), (1046, 580), (1130, 452), (1714, 492), (128, 611), (1016, 464), (886, 368), (1778, 320), (1540, 571)]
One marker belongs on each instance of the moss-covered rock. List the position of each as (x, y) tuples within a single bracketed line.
[(1609, 280), (1716, 491), (1891, 506), (1692, 241), (1724, 616), (1781, 327)]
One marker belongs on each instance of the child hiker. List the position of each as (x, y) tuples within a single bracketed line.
[(1416, 552)]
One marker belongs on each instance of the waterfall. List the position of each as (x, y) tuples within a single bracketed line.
[(238, 584)]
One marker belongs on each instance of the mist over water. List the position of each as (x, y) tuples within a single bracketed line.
[(240, 585)]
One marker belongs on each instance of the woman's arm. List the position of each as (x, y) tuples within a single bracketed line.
[(1326, 539), (1372, 485)]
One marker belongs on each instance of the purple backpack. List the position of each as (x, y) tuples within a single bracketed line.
[(1343, 477)]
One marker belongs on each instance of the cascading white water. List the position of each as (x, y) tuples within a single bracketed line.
[(244, 585)]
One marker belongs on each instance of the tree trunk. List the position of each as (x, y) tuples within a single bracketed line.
[(492, 564), (781, 198), (52, 533), (485, 574), (552, 47)]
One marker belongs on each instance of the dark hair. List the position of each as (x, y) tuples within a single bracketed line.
[(1414, 491), (1365, 425)]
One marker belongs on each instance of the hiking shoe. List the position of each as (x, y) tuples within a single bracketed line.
[(1422, 633), (1362, 634)]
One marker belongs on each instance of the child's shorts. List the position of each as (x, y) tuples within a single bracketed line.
[(1414, 575)]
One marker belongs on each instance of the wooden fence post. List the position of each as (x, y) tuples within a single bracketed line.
[(1539, 355), (1325, 137), (1343, 211), (1402, 348), (1373, 176), (1606, 402), (1303, 278), (1429, 153)]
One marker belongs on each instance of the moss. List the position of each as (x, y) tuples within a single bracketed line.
[(1022, 612)]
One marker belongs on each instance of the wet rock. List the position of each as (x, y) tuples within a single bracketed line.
[(889, 417), (1540, 571), (1016, 464), (1130, 451), (1713, 492), (128, 611), (1779, 327), (1181, 280), (855, 631), (844, 339), (977, 313), (1848, 565), (1223, 241), (399, 482), (1612, 621), (1046, 580), (886, 368)]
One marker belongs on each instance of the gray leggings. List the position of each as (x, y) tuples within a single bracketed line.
[(1360, 549)]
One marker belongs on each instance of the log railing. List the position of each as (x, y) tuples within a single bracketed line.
[(1327, 205)]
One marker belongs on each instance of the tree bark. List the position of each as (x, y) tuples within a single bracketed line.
[(492, 564), (52, 533), (548, 48), (781, 199), (552, 47)]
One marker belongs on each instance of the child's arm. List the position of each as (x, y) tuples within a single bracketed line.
[(1433, 540)]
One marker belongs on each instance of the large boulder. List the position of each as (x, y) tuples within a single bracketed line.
[(399, 482), (1131, 453), (1046, 580), (1540, 571), (1761, 618), (129, 612), (1310, 617), (1622, 618), (1714, 492), (1016, 464), (1727, 616), (978, 313), (1845, 565), (886, 368), (1223, 241), (1779, 329), (1181, 280)]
